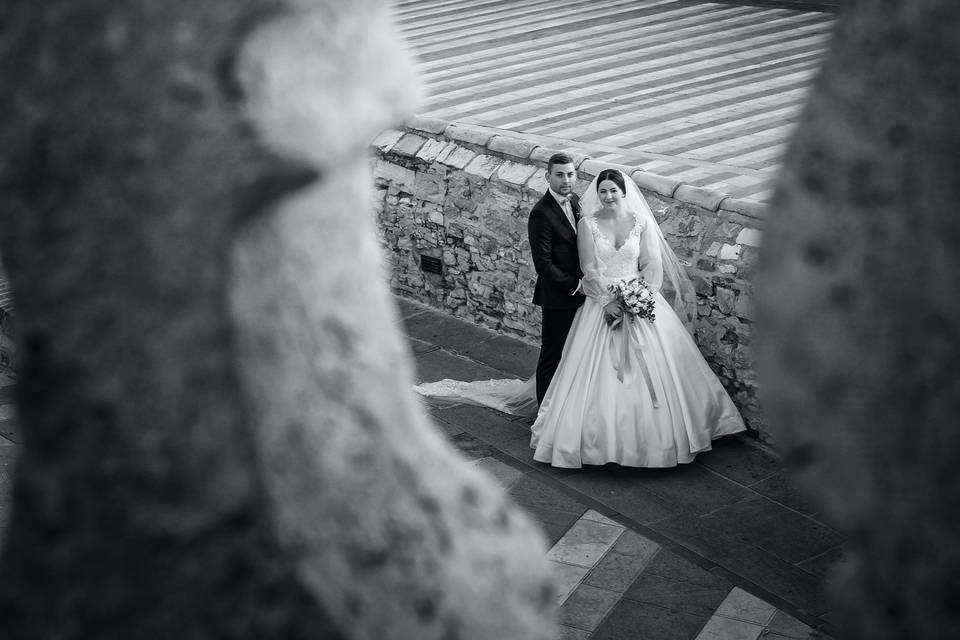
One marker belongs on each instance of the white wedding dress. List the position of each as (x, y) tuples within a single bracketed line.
[(639, 395)]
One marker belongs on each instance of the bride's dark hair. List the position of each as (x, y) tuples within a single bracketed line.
[(615, 176)]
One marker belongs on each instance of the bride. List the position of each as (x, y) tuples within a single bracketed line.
[(630, 389)]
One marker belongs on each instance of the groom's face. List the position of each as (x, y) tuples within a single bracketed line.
[(561, 178)]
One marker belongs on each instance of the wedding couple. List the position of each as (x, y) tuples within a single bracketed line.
[(610, 386)]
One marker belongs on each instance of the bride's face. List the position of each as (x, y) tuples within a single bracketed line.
[(611, 197)]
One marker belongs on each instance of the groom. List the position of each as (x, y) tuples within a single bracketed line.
[(552, 230)]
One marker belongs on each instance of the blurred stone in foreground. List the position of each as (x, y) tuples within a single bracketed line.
[(859, 317), (220, 440)]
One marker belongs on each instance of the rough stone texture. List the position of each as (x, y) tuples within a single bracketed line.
[(409, 144), (478, 227), (653, 182), (859, 318), (483, 166), (427, 124), (750, 208), (219, 440), (515, 173), (456, 156), (432, 149), (468, 134), (706, 198), (510, 146), (386, 139)]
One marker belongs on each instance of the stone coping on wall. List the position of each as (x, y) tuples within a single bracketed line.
[(433, 139)]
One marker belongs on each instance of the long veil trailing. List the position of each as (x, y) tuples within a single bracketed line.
[(509, 395)]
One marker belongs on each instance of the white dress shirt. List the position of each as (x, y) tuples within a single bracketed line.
[(567, 207)]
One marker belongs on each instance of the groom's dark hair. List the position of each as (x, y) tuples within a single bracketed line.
[(558, 158), (615, 176)]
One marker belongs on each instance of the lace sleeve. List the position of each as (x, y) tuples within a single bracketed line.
[(595, 283), (649, 263)]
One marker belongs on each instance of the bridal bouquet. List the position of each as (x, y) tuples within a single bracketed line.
[(634, 297)]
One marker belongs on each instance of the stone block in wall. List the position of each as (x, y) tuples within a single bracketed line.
[(726, 300), (703, 286), (683, 226), (709, 199), (727, 230), (408, 145), (426, 124), (483, 166), (456, 156), (537, 182), (386, 139), (432, 149), (749, 237), (468, 134), (395, 174), (429, 186), (515, 173), (511, 146), (656, 183), (749, 208), (730, 252)]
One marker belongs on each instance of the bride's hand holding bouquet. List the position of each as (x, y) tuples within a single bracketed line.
[(634, 299), (613, 314)]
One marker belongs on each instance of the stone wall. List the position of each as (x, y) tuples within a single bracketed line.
[(460, 195)]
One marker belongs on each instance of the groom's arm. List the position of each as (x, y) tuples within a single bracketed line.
[(540, 234)]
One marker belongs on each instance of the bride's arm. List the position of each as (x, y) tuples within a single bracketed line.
[(651, 267), (595, 284)]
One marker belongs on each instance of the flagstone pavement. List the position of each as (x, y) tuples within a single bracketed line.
[(706, 93), (720, 549)]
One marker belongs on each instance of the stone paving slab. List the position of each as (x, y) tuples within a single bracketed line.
[(493, 426), (776, 529), (507, 354), (739, 461), (440, 364), (725, 548), (673, 583), (650, 495), (432, 327), (779, 489)]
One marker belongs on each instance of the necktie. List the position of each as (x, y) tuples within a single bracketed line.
[(568, 211)]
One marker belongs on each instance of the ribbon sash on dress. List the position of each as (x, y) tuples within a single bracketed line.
[(626, 343)]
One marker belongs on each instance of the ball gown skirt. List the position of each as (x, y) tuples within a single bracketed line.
[(639, 396)]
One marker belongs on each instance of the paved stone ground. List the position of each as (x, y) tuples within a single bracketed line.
[(703, 92), (720, 549)]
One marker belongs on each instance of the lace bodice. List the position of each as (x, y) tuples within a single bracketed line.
[(622, 263)]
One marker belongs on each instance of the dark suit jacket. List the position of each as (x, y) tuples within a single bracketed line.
[(553, 244)]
